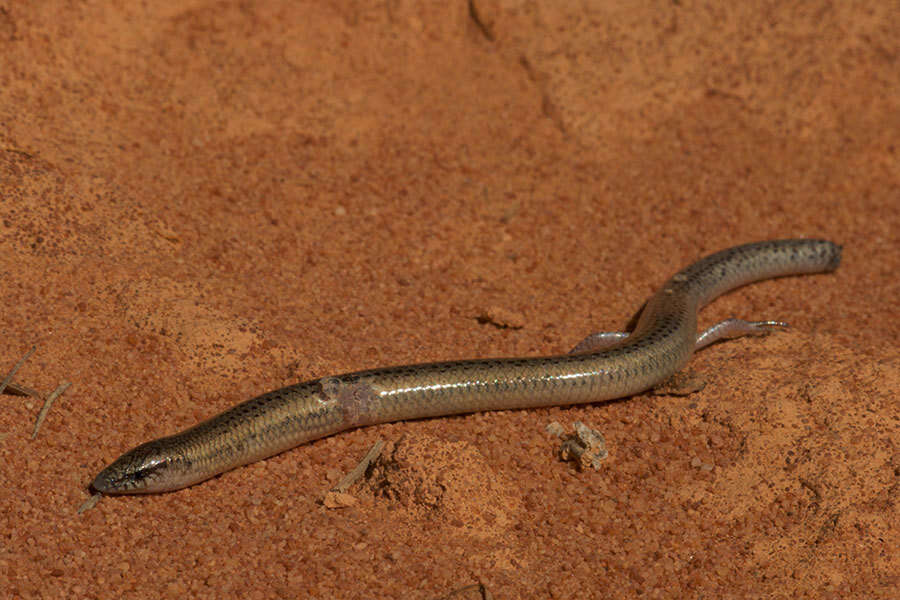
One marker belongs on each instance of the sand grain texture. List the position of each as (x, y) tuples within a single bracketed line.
[(205, 202)]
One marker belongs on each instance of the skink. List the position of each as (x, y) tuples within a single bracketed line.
[(602, 367)]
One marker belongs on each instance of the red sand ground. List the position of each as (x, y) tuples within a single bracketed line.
[(202, 203)]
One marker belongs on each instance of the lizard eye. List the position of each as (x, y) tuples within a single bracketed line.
[(133, 472)]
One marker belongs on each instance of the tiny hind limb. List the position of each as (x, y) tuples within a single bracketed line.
[(735, 328), (599, 341), (728, 329)]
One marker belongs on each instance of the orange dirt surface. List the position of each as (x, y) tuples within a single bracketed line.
[(202, 201)]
